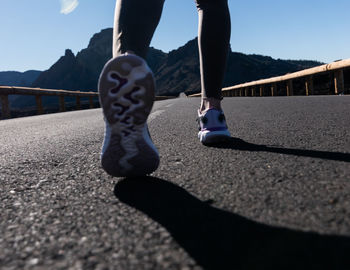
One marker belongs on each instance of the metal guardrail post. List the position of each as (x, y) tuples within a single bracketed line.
[(91, 101), (78, 104), (273, 89), (338, 81), (290, 90), (5, 107), (39, 104), (62, 106), (309, 86)]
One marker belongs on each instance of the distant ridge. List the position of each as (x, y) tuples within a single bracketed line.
[(15, 78)]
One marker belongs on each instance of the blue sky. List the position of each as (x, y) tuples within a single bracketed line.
[(35, 33)]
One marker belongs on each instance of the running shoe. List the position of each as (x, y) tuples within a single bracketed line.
[(212, 127), (126, 90)]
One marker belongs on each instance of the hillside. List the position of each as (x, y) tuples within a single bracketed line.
[(175, 72), (15, 78)]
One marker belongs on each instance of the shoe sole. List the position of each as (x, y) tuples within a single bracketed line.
[(126, 91), (214, 137)]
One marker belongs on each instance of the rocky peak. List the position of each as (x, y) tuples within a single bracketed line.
[(101, 42), (69, 53)]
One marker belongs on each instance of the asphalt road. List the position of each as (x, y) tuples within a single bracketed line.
[(277, 196)]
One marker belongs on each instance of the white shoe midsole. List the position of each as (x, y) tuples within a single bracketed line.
[(206, 135)]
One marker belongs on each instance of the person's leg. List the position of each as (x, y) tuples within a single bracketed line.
[(127, 90), (134, 24), (213, 40)]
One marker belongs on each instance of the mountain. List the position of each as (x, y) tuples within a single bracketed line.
[(15, 78), (175, 72), (81, 72)]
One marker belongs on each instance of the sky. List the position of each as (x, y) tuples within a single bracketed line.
[(35, 33)]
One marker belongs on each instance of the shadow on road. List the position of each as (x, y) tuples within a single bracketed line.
[(239, 144), (218, 239)]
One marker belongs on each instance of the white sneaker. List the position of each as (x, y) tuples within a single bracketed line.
[(126, 87), (212, 127)]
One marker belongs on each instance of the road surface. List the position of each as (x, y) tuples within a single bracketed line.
[(277, 196)]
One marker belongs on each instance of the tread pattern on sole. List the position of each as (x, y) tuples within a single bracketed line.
[(126, 87)]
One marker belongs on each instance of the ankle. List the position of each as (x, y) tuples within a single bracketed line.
[(119, 53), (210, 103)]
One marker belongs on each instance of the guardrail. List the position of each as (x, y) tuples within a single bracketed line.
[(258, 88), (5, 91)]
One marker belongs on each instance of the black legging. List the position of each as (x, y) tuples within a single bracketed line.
[(136, 21)]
